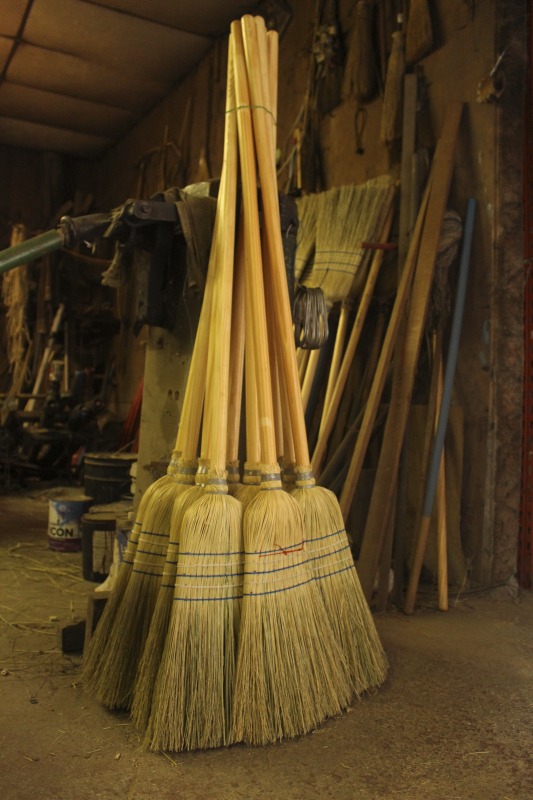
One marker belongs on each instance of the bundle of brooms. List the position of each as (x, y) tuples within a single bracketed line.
[(231, 621)]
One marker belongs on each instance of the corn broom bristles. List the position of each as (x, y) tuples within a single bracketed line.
[(193, 695), (290, 672), (333, 568)]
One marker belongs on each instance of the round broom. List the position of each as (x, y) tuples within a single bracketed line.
[(289, 672), (192, 699), (153, 650), (331, 561), (120, 634)]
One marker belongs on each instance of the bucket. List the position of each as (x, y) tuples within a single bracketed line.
[(107, 475), (98, 542), (64, 516)]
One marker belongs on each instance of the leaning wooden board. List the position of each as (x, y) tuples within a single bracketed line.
[(401, 399)]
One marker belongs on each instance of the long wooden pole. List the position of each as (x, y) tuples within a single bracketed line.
[(400, 402)]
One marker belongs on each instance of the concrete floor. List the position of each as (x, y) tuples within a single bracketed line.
[(452, 722)]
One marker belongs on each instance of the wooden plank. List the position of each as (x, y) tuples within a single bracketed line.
[(401, 399)]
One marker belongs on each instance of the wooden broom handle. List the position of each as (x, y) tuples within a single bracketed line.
[(217, 399), (255, 296), (338, 350), (259, 81), (236, 351)]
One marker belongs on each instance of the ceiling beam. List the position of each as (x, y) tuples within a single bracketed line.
[(16, 40)]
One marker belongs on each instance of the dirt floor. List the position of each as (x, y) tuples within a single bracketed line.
[(452, 722)]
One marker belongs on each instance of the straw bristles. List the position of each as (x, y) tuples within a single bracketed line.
[(332, 565), (347, 217), (113, 678), (193, 695), (306, 236), (290, 672), (153, 649)]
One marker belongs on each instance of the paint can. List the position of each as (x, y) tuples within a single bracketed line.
[(64, 517)]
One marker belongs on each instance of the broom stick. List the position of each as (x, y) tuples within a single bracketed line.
[(442, 536), (236, 367), (153, 650), (351, 348), (336, 360)]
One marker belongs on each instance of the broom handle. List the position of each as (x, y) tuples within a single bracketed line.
[(302, 359), (219, 345), (274, 367), (442, 530), (336, 361), (283, 428), (353, 341), (310, 373), (255, 295), (258, 74), (237, 350)]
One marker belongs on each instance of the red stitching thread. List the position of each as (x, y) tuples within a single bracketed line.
[(286, 552)]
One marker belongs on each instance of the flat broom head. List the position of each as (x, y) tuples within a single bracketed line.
[(332, 566), (193, 695), (290, 673)]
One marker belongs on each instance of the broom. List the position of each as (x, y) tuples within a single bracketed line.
[(347, 217), (120, 634), (192, 699), (332, 563), (153, 650), (288, 678)]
